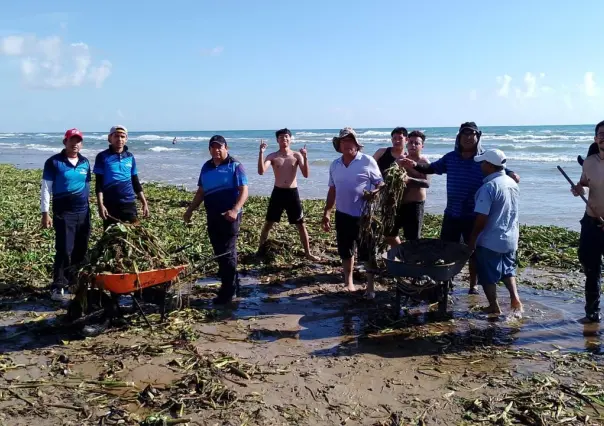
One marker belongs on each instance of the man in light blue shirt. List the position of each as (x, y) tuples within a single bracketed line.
[(495, 233), (353, 178)]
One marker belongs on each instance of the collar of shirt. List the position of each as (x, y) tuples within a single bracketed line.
[(112, 151), (227, 160), (356, 157), (493, 176), (66, 158)]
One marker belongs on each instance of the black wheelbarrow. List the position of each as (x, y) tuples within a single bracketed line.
[(423, 270)]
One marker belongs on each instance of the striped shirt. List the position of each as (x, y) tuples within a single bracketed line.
[(464, 178)]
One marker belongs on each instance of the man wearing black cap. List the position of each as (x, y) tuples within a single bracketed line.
[(67, 177), (222, 187), (464, 178)]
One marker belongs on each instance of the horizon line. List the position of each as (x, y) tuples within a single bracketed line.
[(308, 128)]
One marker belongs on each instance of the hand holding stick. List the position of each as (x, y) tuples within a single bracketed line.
[(572, 184)]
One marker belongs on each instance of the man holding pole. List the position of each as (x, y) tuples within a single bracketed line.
[(591, 241)]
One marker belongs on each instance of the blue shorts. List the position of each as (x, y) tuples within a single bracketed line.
[(492, 266)]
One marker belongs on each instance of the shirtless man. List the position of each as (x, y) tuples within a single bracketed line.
[(411, 212), (285, 196), (591, 241)]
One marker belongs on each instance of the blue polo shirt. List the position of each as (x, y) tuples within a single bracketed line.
[(464, 177), (498, 199), (71, 184), (221, 184), (117, 170)]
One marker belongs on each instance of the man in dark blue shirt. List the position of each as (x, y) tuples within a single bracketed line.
[(222, 187), (66, 177), (464, 178), (117, 184)]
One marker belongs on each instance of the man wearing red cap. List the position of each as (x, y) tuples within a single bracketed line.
[(67, 177)]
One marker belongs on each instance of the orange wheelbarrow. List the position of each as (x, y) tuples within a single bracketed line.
[(118, 284)]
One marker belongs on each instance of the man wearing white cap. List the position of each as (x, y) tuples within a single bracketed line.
[(495, 234), (117, 184)]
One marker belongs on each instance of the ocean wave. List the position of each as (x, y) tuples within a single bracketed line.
[(530, 158), (7, 135), (46, 148), (311, 134), (163, 149), (374, 133), (528, 137)]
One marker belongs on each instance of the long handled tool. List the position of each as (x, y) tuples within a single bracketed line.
[(572, 184)]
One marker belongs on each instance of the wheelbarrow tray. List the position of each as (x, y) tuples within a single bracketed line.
[(415, 259), (128, 283)]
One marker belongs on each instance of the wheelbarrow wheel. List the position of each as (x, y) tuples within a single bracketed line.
[(396, 309), (444, 298)]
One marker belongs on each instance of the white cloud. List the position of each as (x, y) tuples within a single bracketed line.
[(531, 84), (504, 90), (473, 94), (215, 51), (589, 84), (12, 46), (51, 63)]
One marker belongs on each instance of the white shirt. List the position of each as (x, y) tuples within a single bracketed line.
[(362, 174)]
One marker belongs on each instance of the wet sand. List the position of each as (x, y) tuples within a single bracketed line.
[(322, 357)]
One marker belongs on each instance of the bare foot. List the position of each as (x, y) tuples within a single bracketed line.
[(350, 288), (491, 310), (312, 257)]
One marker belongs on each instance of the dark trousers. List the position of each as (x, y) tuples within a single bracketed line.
[(72, 232), (591, 249), (223, 237), (125, 212)]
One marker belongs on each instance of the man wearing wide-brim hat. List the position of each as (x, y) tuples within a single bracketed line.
[(353, 179)]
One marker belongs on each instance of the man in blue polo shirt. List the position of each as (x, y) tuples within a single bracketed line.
[(117, 185), (464, 177), (67, 177), (222, 187), (496, 230)]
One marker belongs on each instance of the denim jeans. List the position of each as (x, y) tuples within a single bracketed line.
[(591, 249)]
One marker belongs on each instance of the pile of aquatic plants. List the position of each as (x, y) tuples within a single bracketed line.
[(26, 251)]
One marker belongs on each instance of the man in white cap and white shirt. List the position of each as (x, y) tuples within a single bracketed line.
[(495, 234), (354, 178)]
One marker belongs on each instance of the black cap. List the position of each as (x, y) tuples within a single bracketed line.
[(217, 139), (469, 125), (399, 130)]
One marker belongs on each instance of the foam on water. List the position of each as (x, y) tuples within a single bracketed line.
[(163, 149)]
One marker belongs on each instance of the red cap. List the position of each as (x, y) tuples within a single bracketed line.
[(73, 132)]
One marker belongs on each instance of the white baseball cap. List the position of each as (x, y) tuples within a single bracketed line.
[(494, 156)]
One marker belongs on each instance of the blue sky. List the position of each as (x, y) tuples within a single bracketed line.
[(201, 65)]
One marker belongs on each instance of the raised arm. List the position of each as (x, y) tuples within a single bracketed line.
[(303, 162), (262, 163)]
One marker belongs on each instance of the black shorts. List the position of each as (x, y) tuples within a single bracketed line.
[(287, 199), (410, 217), (348, 232), (455, 229)]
